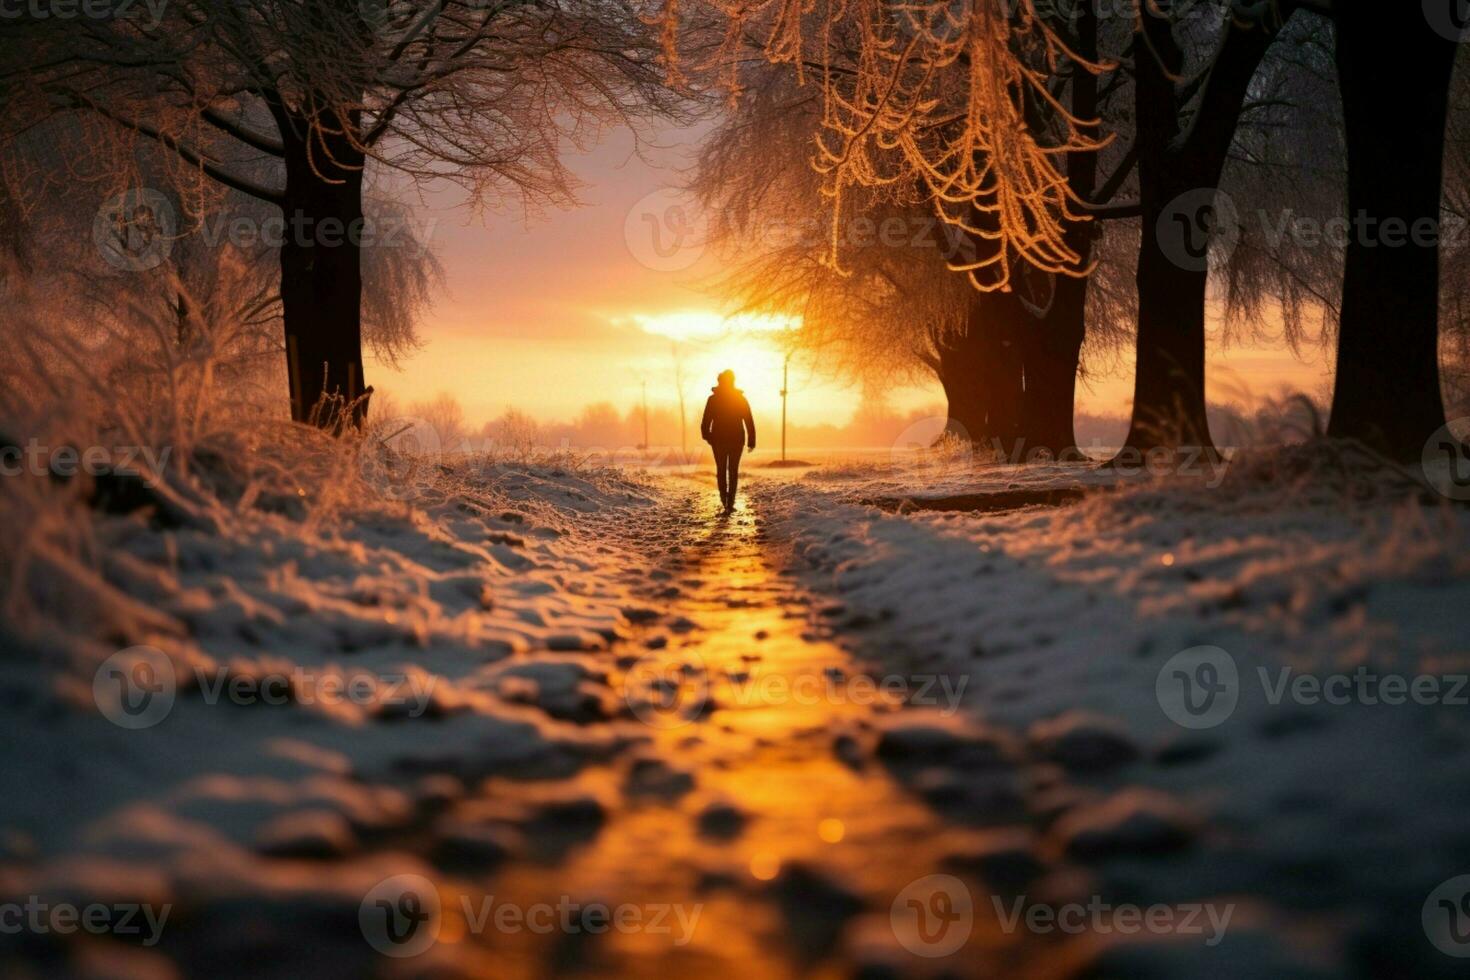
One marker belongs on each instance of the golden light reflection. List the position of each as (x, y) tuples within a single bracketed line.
[(831, 830), (765, 866), (765, 751)]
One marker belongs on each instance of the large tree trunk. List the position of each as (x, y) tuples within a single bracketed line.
[(1169, 371), (959, 366), (997, 320), (1394, 72), (321, 277), (981, 371), (1051, 351), (1179, 174), (1169, 377), (1052, 347), (1021, 370)]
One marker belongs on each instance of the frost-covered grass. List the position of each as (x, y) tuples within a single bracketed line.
[(383, 656), (343, 639)]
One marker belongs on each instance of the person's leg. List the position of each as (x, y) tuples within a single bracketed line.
[(734, 478), (722, 469)]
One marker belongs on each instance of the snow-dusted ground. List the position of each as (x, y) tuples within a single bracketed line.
[(1329, 809), (754, 741), (306, 694)]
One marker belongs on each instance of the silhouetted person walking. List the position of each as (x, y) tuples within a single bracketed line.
[(728, 427)]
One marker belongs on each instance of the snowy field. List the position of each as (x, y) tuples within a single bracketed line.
[(1074, 724)]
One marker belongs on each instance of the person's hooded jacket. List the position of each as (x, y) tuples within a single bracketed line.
[(727, 419)]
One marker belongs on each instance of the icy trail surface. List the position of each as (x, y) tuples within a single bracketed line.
[(540, 722)]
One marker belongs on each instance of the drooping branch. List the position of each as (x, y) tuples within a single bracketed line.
[(209, 167), (934, 95)]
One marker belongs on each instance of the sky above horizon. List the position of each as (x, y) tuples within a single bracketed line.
[(587, 305)]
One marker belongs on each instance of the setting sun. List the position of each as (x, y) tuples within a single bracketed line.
[(707, 343), (707, 325)]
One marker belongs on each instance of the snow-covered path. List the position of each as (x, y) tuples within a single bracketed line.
[(756, 810), (538, 720), (605, 731)]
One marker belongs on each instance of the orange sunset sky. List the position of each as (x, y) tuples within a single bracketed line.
[(564, 310)]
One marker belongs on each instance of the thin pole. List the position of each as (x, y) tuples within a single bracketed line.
[(785, 366), (645, 414), (683, 414)]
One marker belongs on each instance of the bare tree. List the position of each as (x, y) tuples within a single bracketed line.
[(1192, 70), (876, 290), (95, 273), (481, 94), (1338, 148)]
